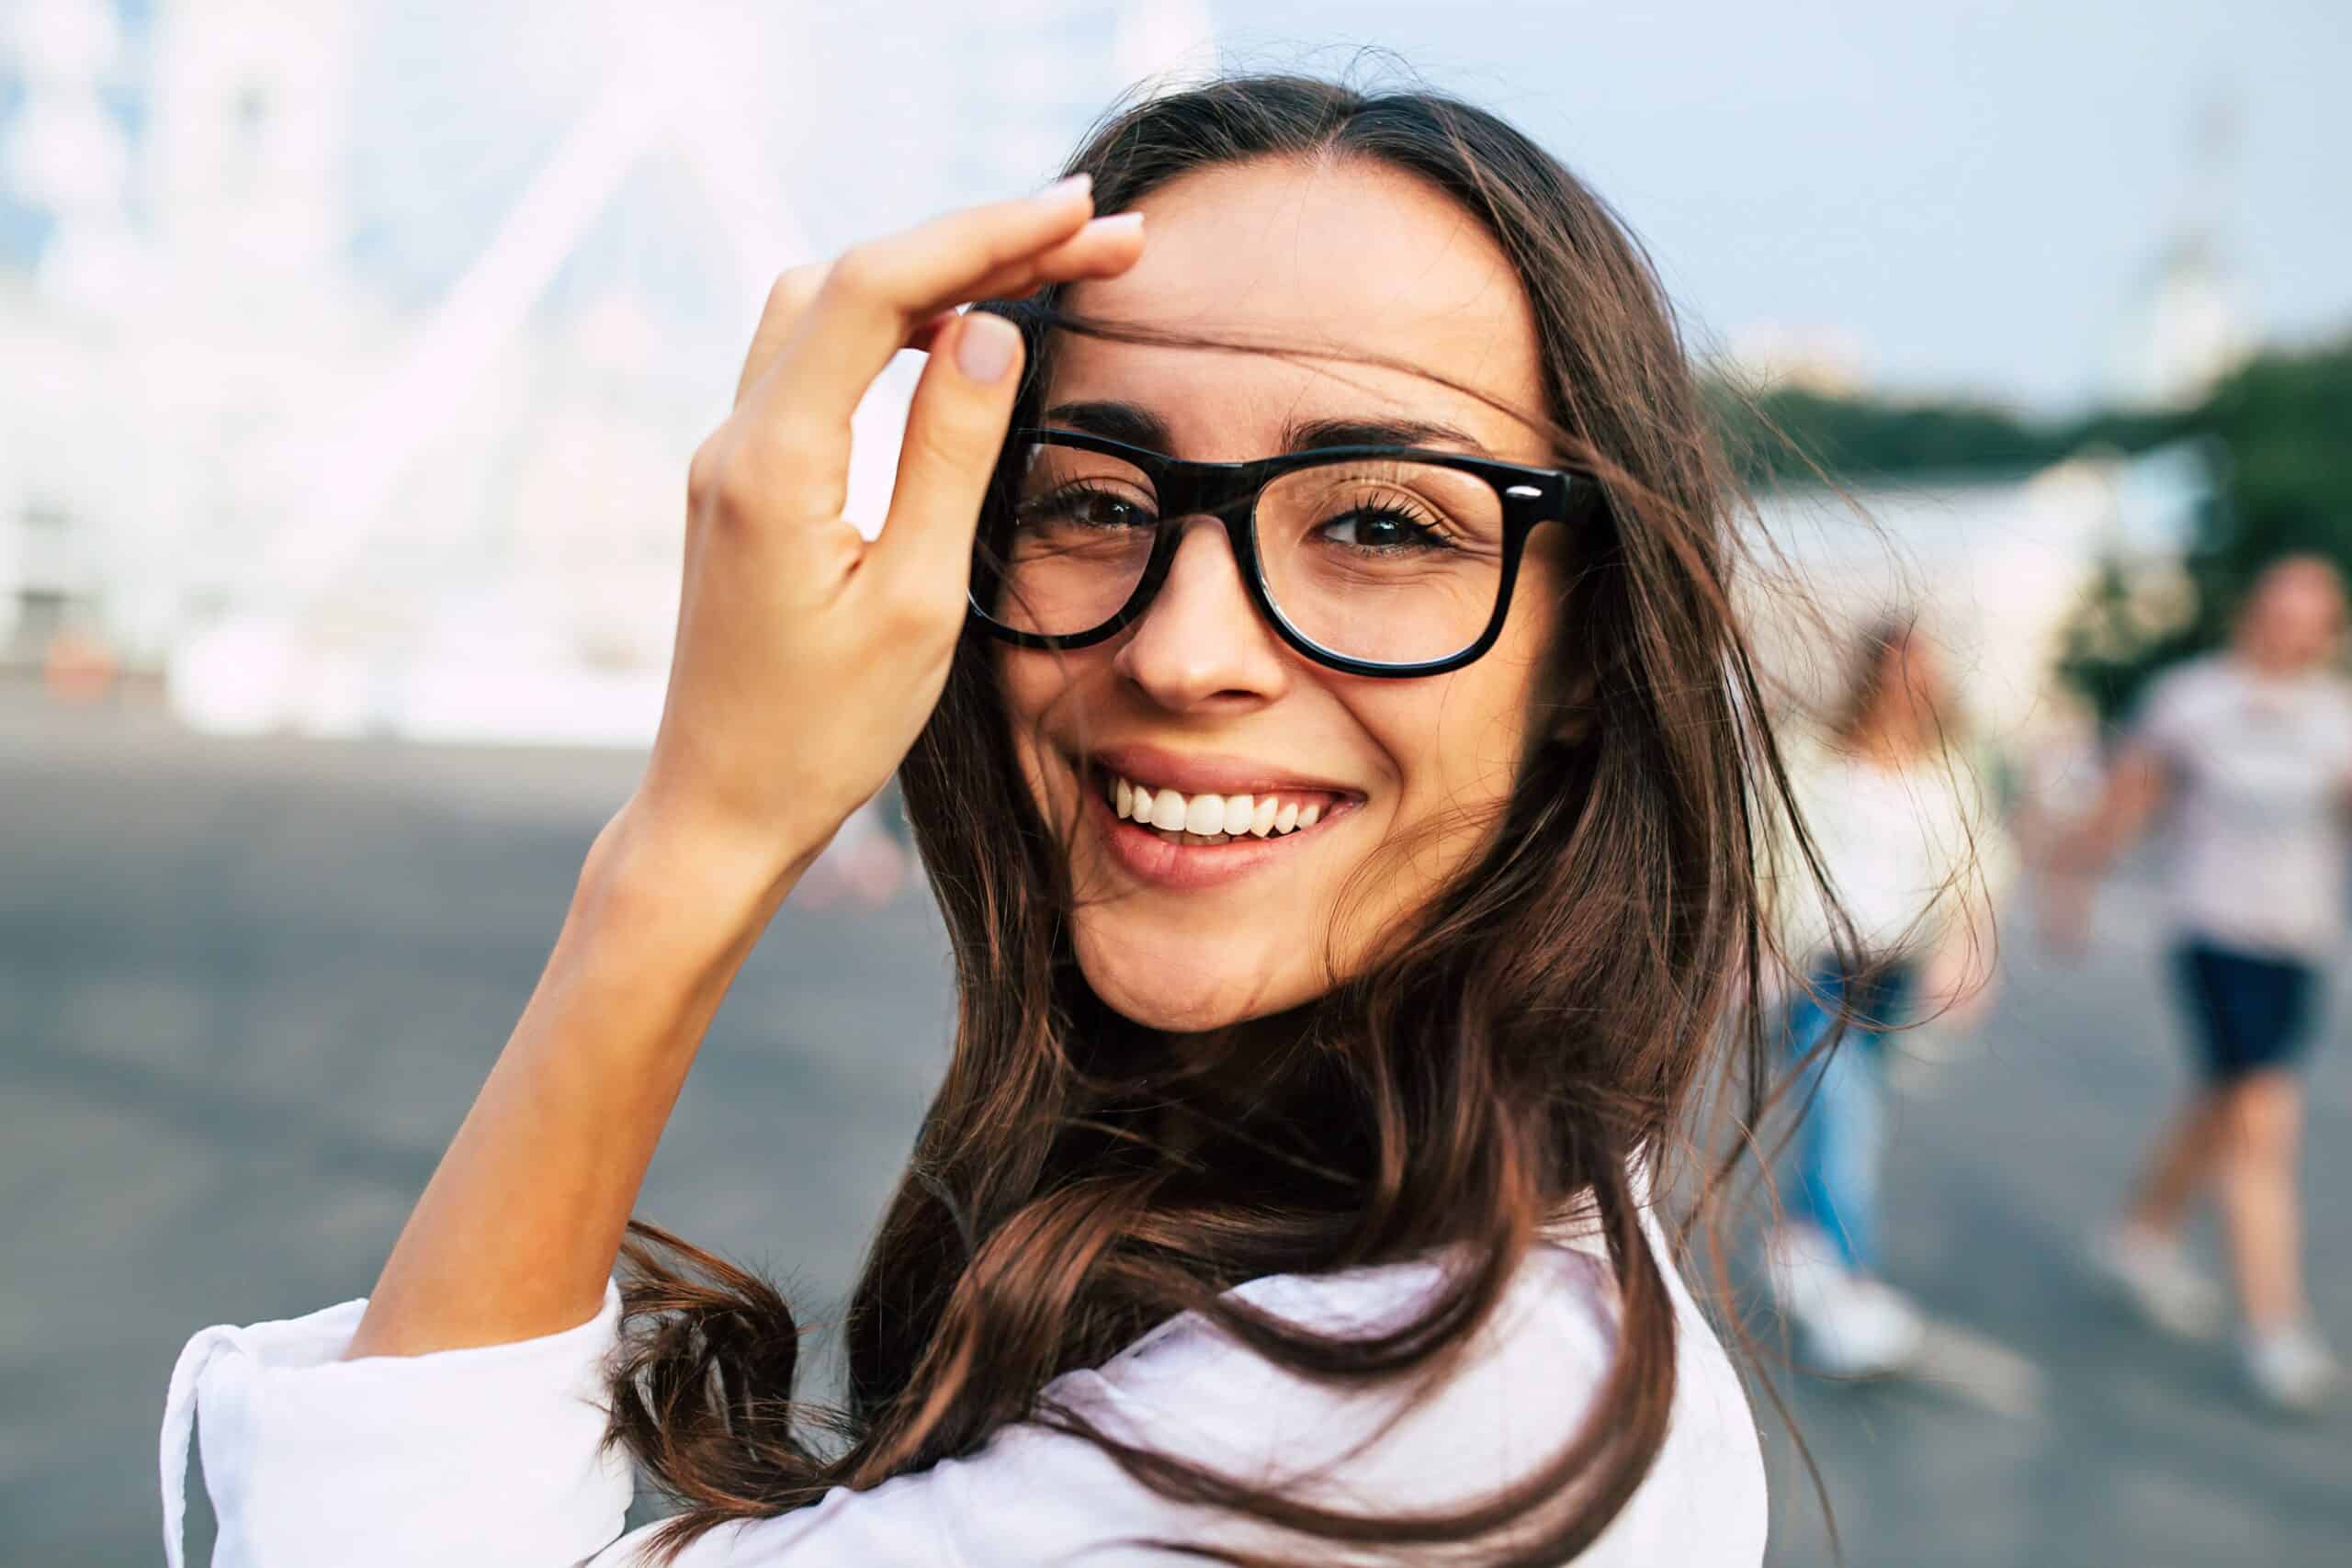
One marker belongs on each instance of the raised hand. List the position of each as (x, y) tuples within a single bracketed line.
[(807, 659)]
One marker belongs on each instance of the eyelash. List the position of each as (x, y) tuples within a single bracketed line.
[(1066, 498), (1426, 533)]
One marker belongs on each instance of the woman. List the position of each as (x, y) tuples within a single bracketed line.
[(1898, 827), (2252, 748), (1342, 819)]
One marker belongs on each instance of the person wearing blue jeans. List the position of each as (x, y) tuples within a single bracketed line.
[(1842, 1142), (1893, 816)]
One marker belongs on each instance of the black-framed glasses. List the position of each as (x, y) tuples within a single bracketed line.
[(1376, 560)]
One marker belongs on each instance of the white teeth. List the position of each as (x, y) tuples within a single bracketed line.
[(1168, 811), (1210, 818), (1205, 814)]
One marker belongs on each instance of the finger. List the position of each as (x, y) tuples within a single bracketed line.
[(956, 426), (788, 298), (1104, 248), (876, 295), (1093, 250), (792, 294)]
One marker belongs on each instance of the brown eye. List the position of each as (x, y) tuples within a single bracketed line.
[(1085, 507), (1378, 530)]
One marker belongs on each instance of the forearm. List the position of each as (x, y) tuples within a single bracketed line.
[(2134, 790), (518, 1230)]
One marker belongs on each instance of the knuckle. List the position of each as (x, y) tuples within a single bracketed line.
[(741, 492), (793, 288), (721, 487), (858, 276), (734, 500), (703, 470)]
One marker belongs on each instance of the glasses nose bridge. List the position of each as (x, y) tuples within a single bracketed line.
[(1224, 492), (1221, 491)]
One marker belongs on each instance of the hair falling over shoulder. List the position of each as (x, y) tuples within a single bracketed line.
[(1555, 1017)]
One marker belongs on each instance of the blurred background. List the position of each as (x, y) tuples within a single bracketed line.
[(350, 356)]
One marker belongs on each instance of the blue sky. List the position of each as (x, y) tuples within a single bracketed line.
[(1970, 191), (1969, 194)]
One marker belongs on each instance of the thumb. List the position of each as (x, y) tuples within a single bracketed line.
[(955, 428)]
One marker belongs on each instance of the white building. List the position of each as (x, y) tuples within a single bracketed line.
[(1995, 567), (367, 349)]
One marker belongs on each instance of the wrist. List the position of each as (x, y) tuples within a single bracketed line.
[(671, 881)]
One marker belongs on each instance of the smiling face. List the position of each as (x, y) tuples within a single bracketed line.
[(1200, 701)]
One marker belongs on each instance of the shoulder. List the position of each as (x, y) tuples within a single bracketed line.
[(1509, 1406), (2184, 699), (1035, 1493)]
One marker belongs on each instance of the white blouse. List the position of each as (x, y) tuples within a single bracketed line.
[(495, 1457)]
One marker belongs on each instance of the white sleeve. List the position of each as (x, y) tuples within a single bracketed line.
[(1032, 1497), (495, 1456), (490, 1456)]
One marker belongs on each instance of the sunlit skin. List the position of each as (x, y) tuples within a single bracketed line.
[(1368, 263)]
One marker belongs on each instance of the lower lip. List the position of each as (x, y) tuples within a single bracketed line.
[(1165, 863)]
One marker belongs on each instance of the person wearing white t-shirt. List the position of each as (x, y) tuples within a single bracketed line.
[(1299, 634), (2251, 751), (1897, 821)]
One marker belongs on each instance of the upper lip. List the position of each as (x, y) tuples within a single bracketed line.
[(1202, 773)]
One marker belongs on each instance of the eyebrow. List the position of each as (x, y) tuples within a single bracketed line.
[(1139, 426)]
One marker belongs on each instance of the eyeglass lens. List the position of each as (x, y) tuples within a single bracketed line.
[(1383, 559)]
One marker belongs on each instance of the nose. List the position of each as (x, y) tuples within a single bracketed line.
[(1201, 645)]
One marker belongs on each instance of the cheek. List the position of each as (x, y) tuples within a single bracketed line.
[(1457, 743), (1035, 688)]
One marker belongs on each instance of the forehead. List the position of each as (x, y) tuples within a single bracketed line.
[(1338, 262), (2299, 587)]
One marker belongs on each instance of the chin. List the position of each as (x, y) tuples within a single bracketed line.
[(1187, 985)]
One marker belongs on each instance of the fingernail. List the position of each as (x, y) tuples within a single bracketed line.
[(1117, 223), (1065, 190), (985, 346)]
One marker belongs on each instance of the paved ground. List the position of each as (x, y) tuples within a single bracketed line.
[(246, 990)]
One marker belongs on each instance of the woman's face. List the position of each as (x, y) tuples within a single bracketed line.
[(1200, 696)]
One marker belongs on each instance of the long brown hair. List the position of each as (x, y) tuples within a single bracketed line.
[(1542, 1027)]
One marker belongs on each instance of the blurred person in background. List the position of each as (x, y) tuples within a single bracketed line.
[(1894, 816), (1330, 751), (2249, 754)]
